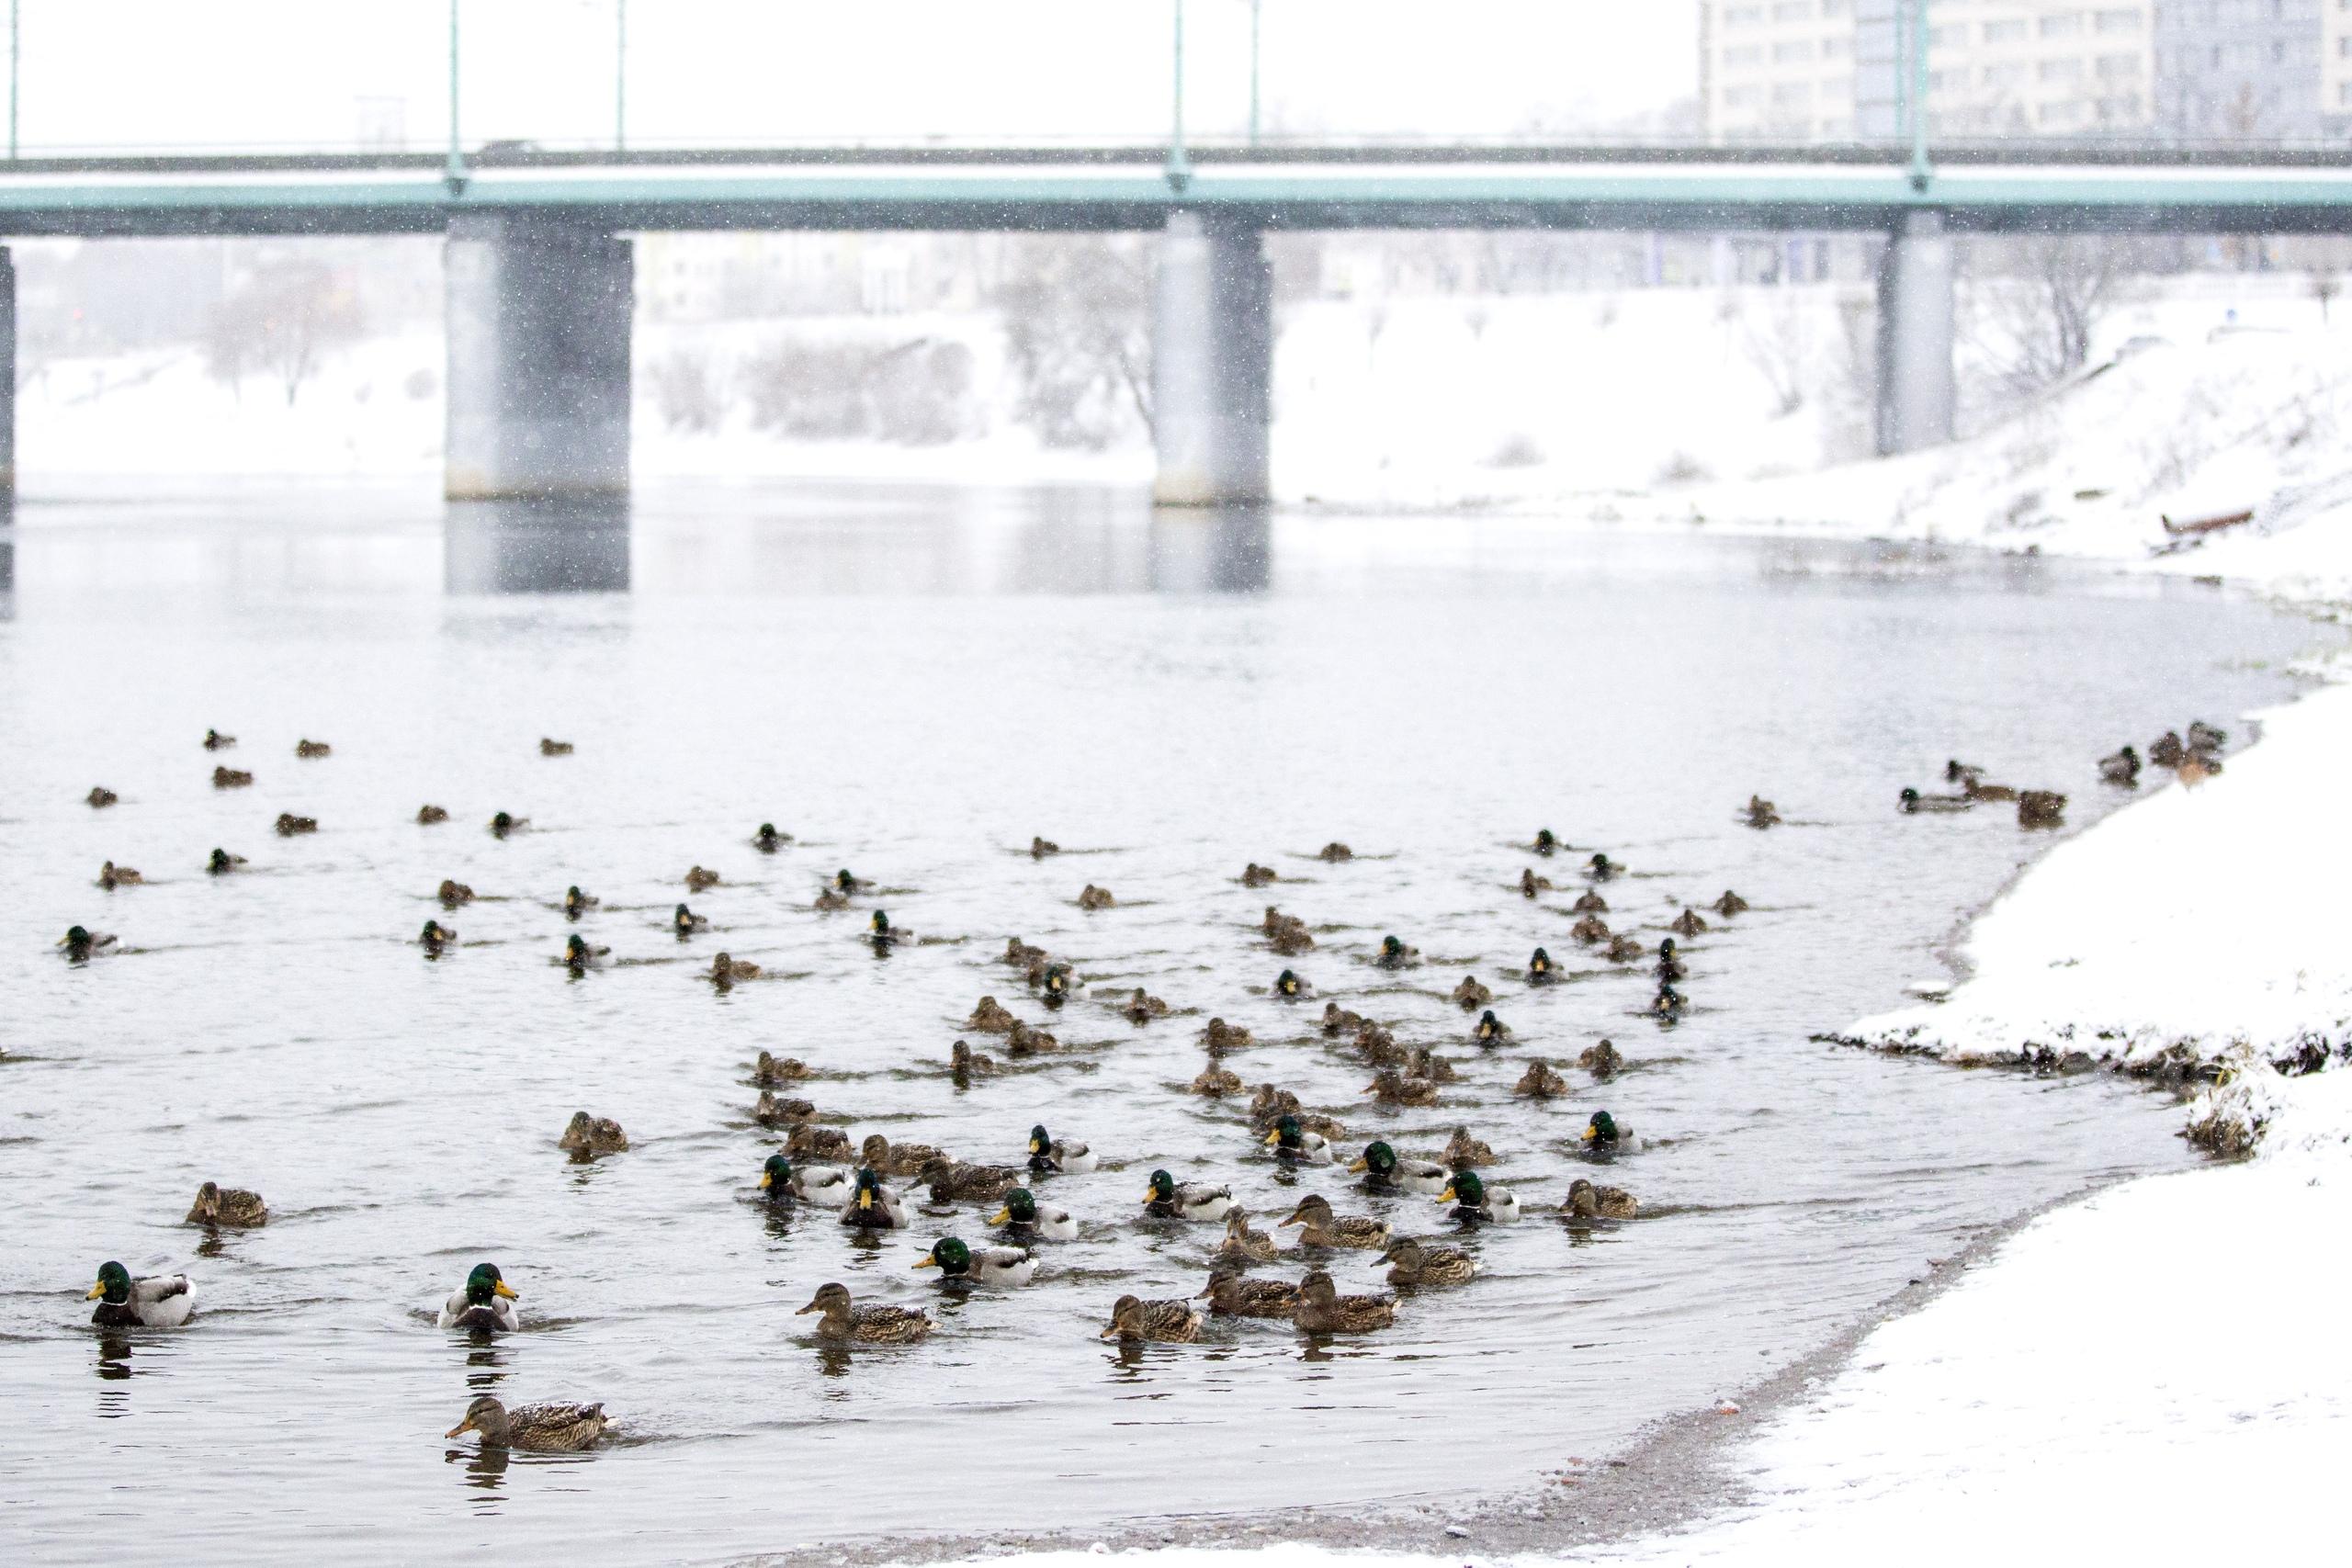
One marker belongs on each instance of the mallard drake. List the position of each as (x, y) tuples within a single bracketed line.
[(80, 943), (1385, 1171), (160, 1300), (534, 1428), (773, 1069), (1092, 898), (1670, 963), (220, 862), (1232, 1292), (779, 1179), (991, 1017), (428, 815), (871, 1206), (1547, 843), (2203, 737), (767, 840), (1322, 1310), (312, 748), (845, 1321), (1241, 1241), (1601, 1132), (100, 797), (576, 903), (215, 741), (434, 937), (2045, 807), (1491, 1030), (1054, 985), (1540, 1082), (552, 748), (1761, 813), (1590, 903), (1915, 804), (2121, 767), (686, 923), (1602, 1061), (1730, 904), (1623, 949), (1586, 1202), (1410, 1263), (880, 1154), (844, 882), (1541, 970), (231, 778), (579, 957), (230, 1206), (1289, 987), (1668, 1002), (990, 1265), (1049, 1155), (1462, 1151), (504, 822), (1592, 929), (1689, 923), (288, 825), (773, 1112), (1040, 848), (484, 1303), (1024, 1219), (1169, 1323), (818, 1144), (1164, 1200), (1143, 1007), (1338, 1019), (1394, 954), (1216, 1082), (1319, 1227), (1256, 875), (700, 879), (1020, 954), (1473, 1199), (1294, 1144), (1393, 1088), (111, 877), (453, 894), (1334, 853), (1470, 995), (965, 1062), (1221, 1036), (593, 1135), (1023, 1041), (882, 934), (1601, 868), (951, 1180)]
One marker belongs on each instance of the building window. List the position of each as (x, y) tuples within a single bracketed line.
[(1837, 48), (1793, 53), (1745, 55), (2004, 32), (1793, 11), (1741, 97), (2007, 75), (1742, 16), (1831, 10), (1792, 92), (2118, 67), (2068, 70), (2063, 26), (2119, 21)]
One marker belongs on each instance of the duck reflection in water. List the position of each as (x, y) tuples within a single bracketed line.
[(114, 1366), (485, 1465)]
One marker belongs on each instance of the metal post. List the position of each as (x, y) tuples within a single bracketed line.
[(1180, 170), (13, 6), (1253, 71), (454, 170), (620, 76), (1920, 173)]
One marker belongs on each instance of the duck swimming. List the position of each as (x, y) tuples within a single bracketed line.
[(773, 1069), (1541, 970), (1601, 868), (1319, 1227), (551, 748), (1289, 987), (1546, 843), (1143, 1007), (100, 797), (1601, 1132), (988, 1266), (1338, 1019), (965, 1062), (1529, 885), (1413, 1264), (483, 1305), (434, 937), (227, 1206), (2203, 737), (1293, 1144), (1386, 1172), (288, 825), (1689, 923), (111, 877), (780, 1178), (1221, 1036), (1057, 1156), (428, 815), (767, 840), (1322, 1310), (231, 778), (1289, 937), (1470, 995), (1394, 954), (1473, 1199), (700, 879), (848, 1323), (2121, 767), (829, 899), (1914, 803), (1668, 1002), (1591, 930), (1163, 1198), (1055, 985), (453, 894), (160, 1300), (1092, 898), (1586, 1202), (1602, 1061), (991, 1017), (772, 1111), (1462, 1151), (872, 1206), (1334, 853), (1730, 904), (1761, 813), (1590, 903), (577, 956), (2044, 807), (844, 882), (312, 748), (819, 1144), (882, 934), (1540, 1082), (1256, 875), (1623, 949), (503, 823), (1242, 1241), (220, 863), (1166, 1323), (587, 1136), (880, 1155), (1024, 1219), (80, 943), (1040, 848), (1232, 1292), (1393, 1088), (1023, 1041), (534, 1428), (685, 923), (1020, 954), (576, 903), (951, 1180), (1421, 1062), (1216, 1081), (215, 741)]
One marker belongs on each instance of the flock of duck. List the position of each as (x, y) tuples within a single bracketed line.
[(818, 1166)]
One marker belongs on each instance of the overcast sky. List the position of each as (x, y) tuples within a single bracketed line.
[(163, 73)]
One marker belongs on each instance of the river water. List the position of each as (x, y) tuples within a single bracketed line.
[(914, 682)]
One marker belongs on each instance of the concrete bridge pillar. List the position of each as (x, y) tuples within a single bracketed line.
[(1916, 390), (1212, 364), (7, 377), (539, 341)]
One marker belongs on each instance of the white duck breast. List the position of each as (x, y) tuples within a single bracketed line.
[(820, 1182), (497, 1313), (1196, 1201), (1500, 1208)]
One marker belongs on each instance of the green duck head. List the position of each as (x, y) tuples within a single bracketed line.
[(1600, 864), (880, 923), (575, 951), (503, 822), (949, 1255), (484, 1284), (1038, 1140), (681, 915), (1490, 1025), (114, 1284), (1665, 948), (1545, 842), (844, 881), (776, 1176), (1602, 1129), (433, 935), (77, 936), (221, 861), (572, 896), (869, 1188), (1056, 979), (1020, 1209), (1910, 796), (1378, 1159), (1286, 1133), (1540, 963), (767, 831), (1391, 948), (1286, 984), (1162, 1188), (1466, 1190)]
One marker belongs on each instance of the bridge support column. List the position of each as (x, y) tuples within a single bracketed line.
[(1916, 390), (1212, 364), (539, 341), (8, 378)]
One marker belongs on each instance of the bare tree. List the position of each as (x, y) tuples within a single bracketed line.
[(687, 391), (2043, 303), (1077, 329), (283, 322), (2325, 288), (1778, 340)]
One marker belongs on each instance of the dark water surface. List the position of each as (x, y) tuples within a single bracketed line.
[(915, 682)]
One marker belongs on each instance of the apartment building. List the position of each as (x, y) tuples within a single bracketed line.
[(1777, 70), (2228, 69)]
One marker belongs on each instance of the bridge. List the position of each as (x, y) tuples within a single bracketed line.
[(540, 286)]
